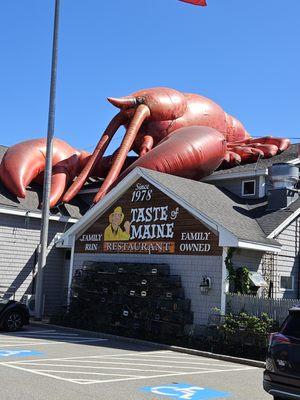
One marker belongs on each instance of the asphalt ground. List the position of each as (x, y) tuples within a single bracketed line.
[(46, 364)]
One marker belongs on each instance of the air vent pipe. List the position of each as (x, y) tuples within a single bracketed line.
[(283, 179)]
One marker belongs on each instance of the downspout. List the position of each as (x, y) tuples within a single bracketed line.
[(298, 254), (224, 282), (71, 272)]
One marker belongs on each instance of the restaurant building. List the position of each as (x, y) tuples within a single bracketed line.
[(154, 218), (151, 217)]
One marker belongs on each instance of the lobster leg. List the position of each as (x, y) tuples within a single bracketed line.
[(146, 146), (63, 173), (250, 150), (247, 153), (281, 143), (141, 113), (104, 165), (102, 145), (231, 159)]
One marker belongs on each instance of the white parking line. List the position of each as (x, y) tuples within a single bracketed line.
[(124, 363), (171, 366), (182, 356), (88, 373), (44, 337), (167, 360), (84, 357), (38, 343), (106, 367), (22, 332), (49, 334)]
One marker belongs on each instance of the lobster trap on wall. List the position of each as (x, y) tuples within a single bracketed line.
[(141, 300)]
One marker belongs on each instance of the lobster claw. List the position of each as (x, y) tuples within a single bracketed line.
[(197, 151), (25, 162)]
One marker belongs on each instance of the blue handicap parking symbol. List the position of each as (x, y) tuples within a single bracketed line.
[(186, 392), (19, 353)]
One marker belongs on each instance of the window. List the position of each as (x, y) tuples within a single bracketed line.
[(291, 326), (287, 283), (248, 188)]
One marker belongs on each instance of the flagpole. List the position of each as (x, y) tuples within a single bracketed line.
[(43, 246)]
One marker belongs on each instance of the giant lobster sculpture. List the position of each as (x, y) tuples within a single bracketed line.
[(177, 133)]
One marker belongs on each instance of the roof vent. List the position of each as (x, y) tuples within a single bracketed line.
[(283, 179)]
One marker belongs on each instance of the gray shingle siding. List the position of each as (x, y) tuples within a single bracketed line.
[(19, 238), (286, 262), (191, 269), (288, 258)]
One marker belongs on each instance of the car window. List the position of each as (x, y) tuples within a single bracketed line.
[(291, 326)]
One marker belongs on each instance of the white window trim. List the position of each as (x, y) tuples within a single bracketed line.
[(243, 188), (293, 283), (261, 186)]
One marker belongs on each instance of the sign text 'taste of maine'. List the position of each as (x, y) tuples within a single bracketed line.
[(145, 220)]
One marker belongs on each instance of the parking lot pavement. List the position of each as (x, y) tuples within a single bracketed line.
[(46, 364)]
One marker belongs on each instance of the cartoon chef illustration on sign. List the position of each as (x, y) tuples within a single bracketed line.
[(114, 232)]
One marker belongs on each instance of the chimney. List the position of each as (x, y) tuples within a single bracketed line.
[(283, 179)]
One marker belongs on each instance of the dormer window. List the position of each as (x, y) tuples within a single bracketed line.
[(248, 188)]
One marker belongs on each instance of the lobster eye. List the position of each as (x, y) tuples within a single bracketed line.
[(140, 100)]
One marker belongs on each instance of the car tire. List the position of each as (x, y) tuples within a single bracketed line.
[(13, 321)]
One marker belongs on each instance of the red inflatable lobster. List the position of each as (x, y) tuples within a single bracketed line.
[(177, 133)]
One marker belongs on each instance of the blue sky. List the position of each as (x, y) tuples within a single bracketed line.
[(245, 55)]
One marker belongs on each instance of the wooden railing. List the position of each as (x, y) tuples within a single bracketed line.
[(276, 308)]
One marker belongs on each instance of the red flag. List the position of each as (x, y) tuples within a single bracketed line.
[(196, 2)]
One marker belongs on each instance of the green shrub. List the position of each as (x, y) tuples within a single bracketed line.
[(241, 335)]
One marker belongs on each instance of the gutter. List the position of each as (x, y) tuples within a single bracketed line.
[(284, 224), (34, 214), (259, 246), (234, 175)]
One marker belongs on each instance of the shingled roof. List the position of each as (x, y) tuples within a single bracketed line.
[(247, 218), (238, 223), (219, 205), (270, 220), (33, 199)]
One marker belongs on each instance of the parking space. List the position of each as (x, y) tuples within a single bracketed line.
[(119, 367), (71, 365)]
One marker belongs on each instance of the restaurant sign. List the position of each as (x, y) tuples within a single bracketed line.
[(145, 220)]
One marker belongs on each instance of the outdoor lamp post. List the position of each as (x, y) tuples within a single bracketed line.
[(43, 246)]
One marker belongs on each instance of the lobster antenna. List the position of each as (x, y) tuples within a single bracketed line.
[(141, 114), (257, 161), (102, 145)]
